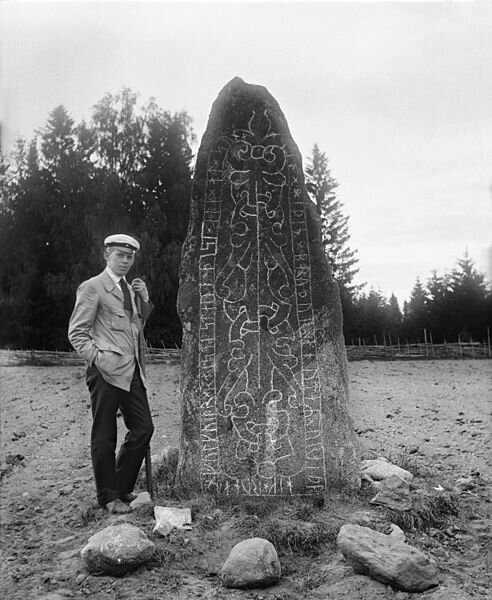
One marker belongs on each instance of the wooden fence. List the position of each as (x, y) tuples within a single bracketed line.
[(361, 352), (43, 358), (419, 351)]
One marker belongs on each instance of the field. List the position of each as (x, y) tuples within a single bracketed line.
[(433, 417)]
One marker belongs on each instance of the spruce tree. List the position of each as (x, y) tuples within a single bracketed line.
[(393, 321), (468, 300), (335, 236), (416, 317)]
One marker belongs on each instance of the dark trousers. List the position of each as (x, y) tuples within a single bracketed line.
[(116, 476)]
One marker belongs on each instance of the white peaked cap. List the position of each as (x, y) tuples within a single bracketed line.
[(123, 240)]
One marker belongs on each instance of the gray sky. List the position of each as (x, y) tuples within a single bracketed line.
[(398, 95)]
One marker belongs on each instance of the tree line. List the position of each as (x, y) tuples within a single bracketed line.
[(129, 169), (451, 306), (456, 306)]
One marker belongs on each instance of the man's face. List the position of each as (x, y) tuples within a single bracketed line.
[(119, 260)]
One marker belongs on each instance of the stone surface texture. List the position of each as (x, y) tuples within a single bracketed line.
[(387, 559), (117, 549), (264, 368), (394, 492), (251, 563)]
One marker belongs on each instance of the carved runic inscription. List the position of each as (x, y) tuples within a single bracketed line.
[(260, 403)]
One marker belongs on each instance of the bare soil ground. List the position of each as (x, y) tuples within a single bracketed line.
[(432, 417)]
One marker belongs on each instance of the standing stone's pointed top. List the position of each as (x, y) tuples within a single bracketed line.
[(235, 82), (236, 105), (264, 382), (238, 85)]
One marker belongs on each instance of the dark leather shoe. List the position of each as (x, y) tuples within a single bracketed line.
[(130, 497), (117, 507)]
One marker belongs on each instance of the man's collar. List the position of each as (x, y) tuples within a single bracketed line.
[(113, 276)]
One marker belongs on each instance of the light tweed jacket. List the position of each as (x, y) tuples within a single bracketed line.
[(102, 332)]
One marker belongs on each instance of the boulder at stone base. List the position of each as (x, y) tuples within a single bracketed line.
[(117, 549), (386, 559), (251, 563)]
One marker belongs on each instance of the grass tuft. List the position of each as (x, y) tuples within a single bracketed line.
[(429, 510), (297, 536), (163, 480), (408, 460)]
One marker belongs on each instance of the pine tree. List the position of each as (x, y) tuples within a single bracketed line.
[(468, 300), (416, 317), (393, 320), (438, 295), (335, 236)]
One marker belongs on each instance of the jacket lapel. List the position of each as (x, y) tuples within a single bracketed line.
[(111, 287)]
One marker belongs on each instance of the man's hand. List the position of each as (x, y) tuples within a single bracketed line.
[(139, 287)]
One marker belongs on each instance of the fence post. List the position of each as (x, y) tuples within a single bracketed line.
[(488, 341), (433, 352)]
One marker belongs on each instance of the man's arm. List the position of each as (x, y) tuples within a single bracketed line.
[(81, 321), (145, 309), (144, 305)]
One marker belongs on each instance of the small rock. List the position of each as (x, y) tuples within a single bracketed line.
[(176, 517), (164, 466), (170, 456), (117, 549), (464, 484), (251, 563), (380, 468), (66, 491), (364, 431), (15, 459), (394, 493)]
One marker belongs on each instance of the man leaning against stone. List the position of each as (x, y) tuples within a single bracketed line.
[(106, 329)]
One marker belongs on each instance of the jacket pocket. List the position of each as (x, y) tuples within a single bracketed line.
[(118, 318), (107, 360), (107, 346)]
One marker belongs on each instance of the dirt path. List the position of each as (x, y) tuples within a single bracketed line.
[(433, 415)]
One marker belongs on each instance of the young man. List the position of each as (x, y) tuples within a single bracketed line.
[(106, 329)]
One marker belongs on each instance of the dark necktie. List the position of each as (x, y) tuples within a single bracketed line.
[(127, 300)]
